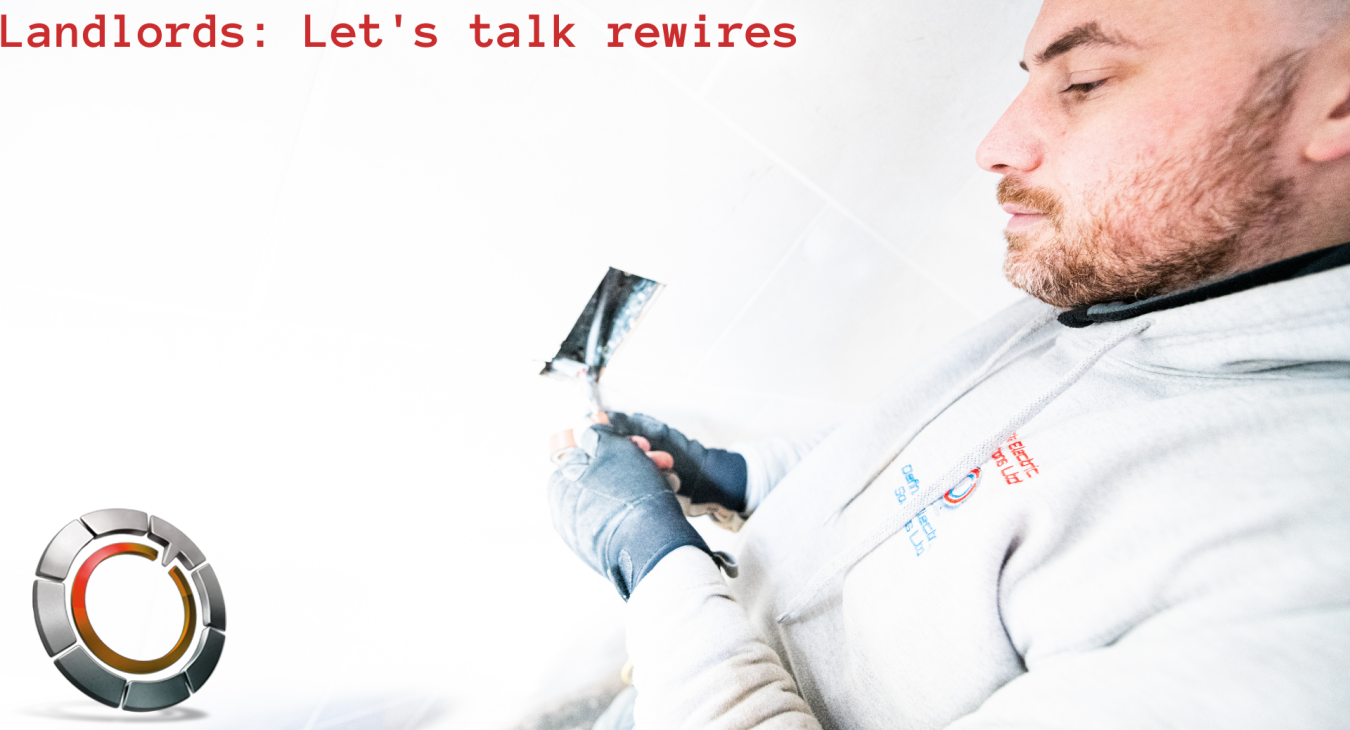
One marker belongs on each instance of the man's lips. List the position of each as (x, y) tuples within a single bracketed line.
[(1022, 217)]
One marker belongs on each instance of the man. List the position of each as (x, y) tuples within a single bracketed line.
[(1126, 504)]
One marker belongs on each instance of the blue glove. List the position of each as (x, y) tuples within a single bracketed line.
[(706, 475), (614, 508)]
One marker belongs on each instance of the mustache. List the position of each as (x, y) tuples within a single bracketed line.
[(1010, 190)]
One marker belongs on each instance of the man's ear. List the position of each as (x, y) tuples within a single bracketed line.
[(1331, 139), (1331, 135)]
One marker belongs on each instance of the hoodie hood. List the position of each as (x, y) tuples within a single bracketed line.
[(1298, 324)]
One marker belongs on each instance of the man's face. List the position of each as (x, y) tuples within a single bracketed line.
[(1143, 156)]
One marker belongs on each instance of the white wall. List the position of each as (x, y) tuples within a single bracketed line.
[(295, 301)]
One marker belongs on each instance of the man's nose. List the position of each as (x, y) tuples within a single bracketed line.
[(1012, 145)]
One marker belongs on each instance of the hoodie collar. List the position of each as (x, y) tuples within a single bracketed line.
[(1291, 268)]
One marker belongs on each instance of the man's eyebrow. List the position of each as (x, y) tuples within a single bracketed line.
[(1087, 34)]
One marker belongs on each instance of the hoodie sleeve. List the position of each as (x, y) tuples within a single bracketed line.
[(697, 661), (769, 460)]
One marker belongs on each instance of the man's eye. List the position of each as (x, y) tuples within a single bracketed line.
[(1083, 88)]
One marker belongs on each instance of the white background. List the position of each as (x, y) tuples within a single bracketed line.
[(295, 301)]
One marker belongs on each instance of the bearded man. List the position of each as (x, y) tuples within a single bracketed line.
[(1124, 502)]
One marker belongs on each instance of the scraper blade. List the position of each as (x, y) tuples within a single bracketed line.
[(616, 307)]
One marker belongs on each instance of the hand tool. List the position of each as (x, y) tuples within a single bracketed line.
[(613, 311)]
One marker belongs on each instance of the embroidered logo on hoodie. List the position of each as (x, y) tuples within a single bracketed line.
[(910, 485), (921, 530), (963, 489), (954, 496), (1016, 466), (1012, 460)]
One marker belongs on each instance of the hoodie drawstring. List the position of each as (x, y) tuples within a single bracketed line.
[(978, 454)]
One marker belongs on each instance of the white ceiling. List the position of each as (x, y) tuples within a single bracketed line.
[(295, 300)]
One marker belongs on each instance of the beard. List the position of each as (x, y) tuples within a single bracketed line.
[(1167, 226)]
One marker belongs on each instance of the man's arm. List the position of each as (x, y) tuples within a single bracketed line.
[(738, 478), (697, 661), (769, 460), (1283, 670)]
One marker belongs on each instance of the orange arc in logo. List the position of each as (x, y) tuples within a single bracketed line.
[(102, 650)]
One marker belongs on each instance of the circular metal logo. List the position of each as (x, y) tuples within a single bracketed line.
[(62, 612)]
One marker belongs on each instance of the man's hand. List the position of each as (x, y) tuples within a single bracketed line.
[(614, 508), (707, 476)]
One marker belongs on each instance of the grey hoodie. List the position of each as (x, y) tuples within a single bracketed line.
[(1141, 523)]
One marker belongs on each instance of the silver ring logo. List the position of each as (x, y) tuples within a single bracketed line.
[(67, 634)]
